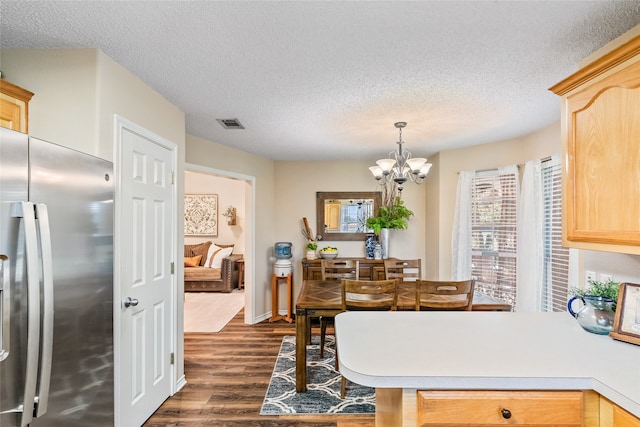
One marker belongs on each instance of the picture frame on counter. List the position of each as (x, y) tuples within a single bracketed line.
[(626, 325)]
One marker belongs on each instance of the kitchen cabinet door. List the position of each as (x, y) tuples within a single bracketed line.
[(601, 147), (14, 107)]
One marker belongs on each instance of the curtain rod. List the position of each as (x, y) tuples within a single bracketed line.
[(519, 165)]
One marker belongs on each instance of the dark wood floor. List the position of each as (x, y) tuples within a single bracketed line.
[(227, 378)]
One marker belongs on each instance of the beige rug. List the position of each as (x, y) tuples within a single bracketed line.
[(210, 311)]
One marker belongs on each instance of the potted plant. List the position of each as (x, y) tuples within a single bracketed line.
[(599, 301), (607, 289), (311, 249), (394, 216)]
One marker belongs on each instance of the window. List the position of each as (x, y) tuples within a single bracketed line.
[(556, 258), (493, 234)]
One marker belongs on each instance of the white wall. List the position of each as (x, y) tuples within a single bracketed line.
[(296, 184), (257, 265), (622, 267), (64, 82), (231, 192), (77, 92), (540, 144)]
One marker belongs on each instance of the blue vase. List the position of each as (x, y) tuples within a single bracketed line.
[(369, 245)]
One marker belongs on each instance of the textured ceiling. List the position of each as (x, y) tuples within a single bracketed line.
[(327, 80)]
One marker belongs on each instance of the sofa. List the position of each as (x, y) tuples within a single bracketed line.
[(201, 276)]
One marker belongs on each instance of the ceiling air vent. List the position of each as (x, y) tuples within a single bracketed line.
[(230, 123)]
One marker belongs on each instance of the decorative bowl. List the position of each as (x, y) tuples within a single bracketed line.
[(329, 254)]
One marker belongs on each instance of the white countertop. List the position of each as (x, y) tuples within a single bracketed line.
[(485, 350)]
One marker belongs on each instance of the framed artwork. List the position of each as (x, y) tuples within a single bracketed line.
[(626, 326), (201, 215)]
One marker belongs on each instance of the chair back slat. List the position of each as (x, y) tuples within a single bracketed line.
[(369, 294), (332, 269), (407, 270), (443, 295)]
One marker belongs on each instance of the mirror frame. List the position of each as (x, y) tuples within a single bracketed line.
[(322, 196)]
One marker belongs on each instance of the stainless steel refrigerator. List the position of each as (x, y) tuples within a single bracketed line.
[(56, 285)]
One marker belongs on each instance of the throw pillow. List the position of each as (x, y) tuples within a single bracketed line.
[(193, 261), (198, 249), (216, 254)]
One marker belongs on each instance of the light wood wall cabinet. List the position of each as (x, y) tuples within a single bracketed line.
[(14, 106), (601, 148)]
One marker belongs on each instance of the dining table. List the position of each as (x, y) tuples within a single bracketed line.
[(319, 298)]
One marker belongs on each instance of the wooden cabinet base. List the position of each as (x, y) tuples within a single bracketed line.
[(495, 408), (450, 408), (611, 415)]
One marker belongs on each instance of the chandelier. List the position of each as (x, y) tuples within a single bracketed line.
[(400, 167)]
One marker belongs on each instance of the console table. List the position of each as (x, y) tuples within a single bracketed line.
[(370, 269)]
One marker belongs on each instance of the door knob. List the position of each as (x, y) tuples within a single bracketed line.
[(130, 302)]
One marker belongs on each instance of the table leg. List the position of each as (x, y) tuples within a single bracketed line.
[(290, 299), (301, 350)]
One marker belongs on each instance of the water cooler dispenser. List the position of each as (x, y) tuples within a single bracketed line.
[(283, 266)]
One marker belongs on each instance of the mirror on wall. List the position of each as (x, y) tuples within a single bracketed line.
[(343, 215)]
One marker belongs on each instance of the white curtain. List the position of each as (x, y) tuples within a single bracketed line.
[(461, 235), (530, 221)]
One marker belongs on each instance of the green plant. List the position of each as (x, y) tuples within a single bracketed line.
[(607, 289), (394, 216), (312, 246)]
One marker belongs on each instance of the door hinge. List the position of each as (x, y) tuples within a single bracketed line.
[(172, 267), (173, 176), (172, 358)]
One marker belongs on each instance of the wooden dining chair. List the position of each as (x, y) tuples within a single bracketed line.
[(442, 295), (332, 269), (407, 270), (368, 295)]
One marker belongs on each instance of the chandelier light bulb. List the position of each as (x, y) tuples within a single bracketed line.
[(386, 165), (376, 171), (424, 170), (416, 164)]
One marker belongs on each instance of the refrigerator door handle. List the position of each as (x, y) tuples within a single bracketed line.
[(5, 307), (44, 379), (26, 211)]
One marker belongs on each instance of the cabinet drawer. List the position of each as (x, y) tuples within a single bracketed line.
[(485, 408)]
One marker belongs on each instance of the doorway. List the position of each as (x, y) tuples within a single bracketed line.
[(240, 195)]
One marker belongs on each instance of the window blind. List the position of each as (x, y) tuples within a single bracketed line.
[(556, 258), (493, 234)]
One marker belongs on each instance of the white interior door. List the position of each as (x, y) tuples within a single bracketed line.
[(146, 277)]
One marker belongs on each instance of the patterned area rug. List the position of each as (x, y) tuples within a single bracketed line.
[(323, 384)]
